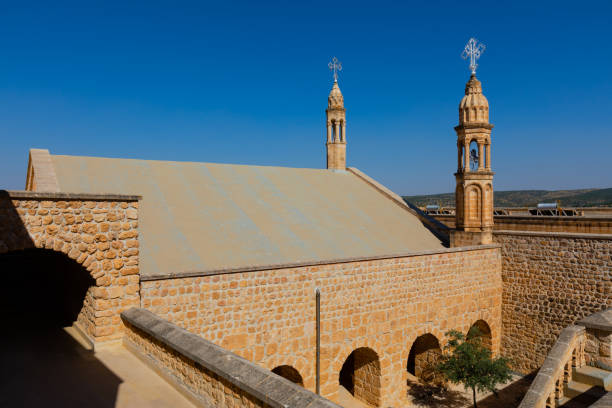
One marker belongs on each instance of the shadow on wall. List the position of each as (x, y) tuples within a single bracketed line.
[(13, 233)]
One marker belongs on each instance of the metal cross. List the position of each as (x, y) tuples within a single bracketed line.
[(472, 50), (335, 66)]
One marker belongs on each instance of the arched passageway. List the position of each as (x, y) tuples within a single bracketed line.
[(290, 373), (423, 357), (482, 329), (360, 375), (45, 289)]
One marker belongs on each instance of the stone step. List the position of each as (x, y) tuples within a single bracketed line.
[(576, 388), (593, 376)]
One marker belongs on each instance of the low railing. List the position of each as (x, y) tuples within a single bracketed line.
[(568, 353)]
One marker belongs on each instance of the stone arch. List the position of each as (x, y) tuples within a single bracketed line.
[(100, 235), (361, 376), (289, 373), (424, 354), (484, 330)]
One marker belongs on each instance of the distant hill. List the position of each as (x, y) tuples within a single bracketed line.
[(591, 197)]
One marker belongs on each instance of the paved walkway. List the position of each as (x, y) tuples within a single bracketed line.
[(51, 369)]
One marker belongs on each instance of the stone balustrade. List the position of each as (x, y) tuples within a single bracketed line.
[(567, 353)]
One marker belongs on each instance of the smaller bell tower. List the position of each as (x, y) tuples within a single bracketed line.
[(474, 177), (336, 123)]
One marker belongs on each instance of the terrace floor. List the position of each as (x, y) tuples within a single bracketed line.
[(51, 368)]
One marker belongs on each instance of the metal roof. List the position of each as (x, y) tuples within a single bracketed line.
[(199, 217)]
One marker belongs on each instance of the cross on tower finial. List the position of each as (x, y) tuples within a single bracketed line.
[(335, 66), (472, 50)]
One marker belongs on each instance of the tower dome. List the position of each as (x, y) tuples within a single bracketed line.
[(335, 100), (474, 107)]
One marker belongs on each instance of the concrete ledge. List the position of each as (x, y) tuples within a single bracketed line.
[(598, 321), (37, 195), (554, 234), (256, 268), (254, 380)]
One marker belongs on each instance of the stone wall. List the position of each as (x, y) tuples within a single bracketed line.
[(583, 225), (207, 374), (100, 232), (550, 281), (268, 316)]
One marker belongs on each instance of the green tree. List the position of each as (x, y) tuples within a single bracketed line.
[(467, 361)]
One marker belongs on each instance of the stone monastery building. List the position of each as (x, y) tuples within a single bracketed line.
[(322, 276)]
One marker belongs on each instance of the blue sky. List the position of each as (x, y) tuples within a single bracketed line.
[(235, 82)]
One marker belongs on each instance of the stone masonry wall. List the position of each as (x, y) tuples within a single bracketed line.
[(98, 232), (268, 316), (550, 281)]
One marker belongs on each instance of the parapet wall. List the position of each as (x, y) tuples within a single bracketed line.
[(550, 281), (206, 373), (579, 225)]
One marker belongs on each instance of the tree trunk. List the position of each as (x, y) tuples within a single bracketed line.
[(474, 396)]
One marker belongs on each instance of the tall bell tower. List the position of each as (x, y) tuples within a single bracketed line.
[(336, 123), (474, 177)]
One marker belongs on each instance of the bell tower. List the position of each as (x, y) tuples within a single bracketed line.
[(336, 123), (474, 177)]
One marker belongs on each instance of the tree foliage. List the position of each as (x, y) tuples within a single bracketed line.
[(466, 361)]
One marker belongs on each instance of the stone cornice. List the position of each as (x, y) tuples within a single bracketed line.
[(257, 268), (553, 234), (37, 195)]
